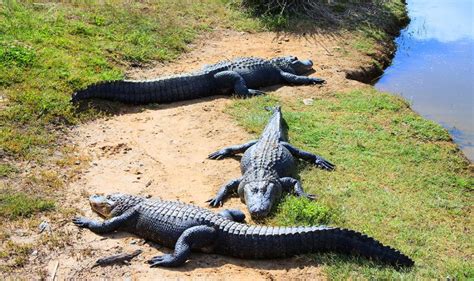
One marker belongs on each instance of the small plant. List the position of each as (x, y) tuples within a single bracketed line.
[(7, 169), (16, 255), (19, 204), (301, 211), (16, 55)]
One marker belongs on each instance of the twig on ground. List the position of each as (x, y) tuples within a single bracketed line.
[(120, 258)]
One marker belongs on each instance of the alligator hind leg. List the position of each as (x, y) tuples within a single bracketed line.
[(235, 80), (300, 80), (233, 215), (227, 189), (308, 156), (197, 237), (290, 183), (231, 150)]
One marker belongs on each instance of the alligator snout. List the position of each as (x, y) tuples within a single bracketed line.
[(308, 63), (96, 198), (259, 213)]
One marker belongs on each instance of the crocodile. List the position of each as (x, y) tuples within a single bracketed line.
[(267, 167), (240, 76), (189, 228)]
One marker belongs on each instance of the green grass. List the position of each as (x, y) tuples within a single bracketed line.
[(14, 255), (7, 170), (14, 204), (301, 211), (365, 45), (399, 178), (49, 50)]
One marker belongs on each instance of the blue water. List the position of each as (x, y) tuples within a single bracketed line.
[(433, 66)]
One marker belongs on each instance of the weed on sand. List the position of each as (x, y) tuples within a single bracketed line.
[(19, 204)]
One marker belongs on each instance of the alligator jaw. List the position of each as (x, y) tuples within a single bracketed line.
[(101, 205), (302, 66)]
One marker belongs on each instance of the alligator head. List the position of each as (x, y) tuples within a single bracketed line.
[(293, 65), (259, 196), (113, 204)]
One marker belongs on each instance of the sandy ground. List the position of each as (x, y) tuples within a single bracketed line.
[(162, 152)]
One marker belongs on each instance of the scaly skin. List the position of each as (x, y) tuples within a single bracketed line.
[(241, 76), (186, 228), (267, 168)]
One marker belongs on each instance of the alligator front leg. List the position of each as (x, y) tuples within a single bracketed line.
[(300, 80), (106, 226), (289, 183), (236, 81), (308, 156), (231, 150), (229, 188), (197, 237), (233, 215)]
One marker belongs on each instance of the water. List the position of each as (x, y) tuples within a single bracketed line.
[(433, 66)]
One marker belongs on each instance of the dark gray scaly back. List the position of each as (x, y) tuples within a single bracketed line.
[(266, 153)]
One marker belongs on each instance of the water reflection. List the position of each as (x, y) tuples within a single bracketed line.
[(433, 66)]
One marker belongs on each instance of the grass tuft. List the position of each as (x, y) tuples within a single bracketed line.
[(301, 211), (17, 56), (18, 204), (6, 170), (14, 255)]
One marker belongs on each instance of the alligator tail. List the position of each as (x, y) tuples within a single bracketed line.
[(273, 109), (271, 242), (275, 128), (162, 90)]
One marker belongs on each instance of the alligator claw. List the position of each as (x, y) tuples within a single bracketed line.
[(317, 80), (81, 222), (217, 155), (215, 202), (306, 195), (253, 92), (324, 164), (310, 196), (164, 260)]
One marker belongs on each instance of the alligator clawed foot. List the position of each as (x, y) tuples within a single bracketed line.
[(164, 260), (217, 155), (311, 197), (253, 93), (318, 81), (81, 222), (324, 164), (215, 202)]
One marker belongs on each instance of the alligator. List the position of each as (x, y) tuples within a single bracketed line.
[(240, 76), (187, 227), (267, 167)]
